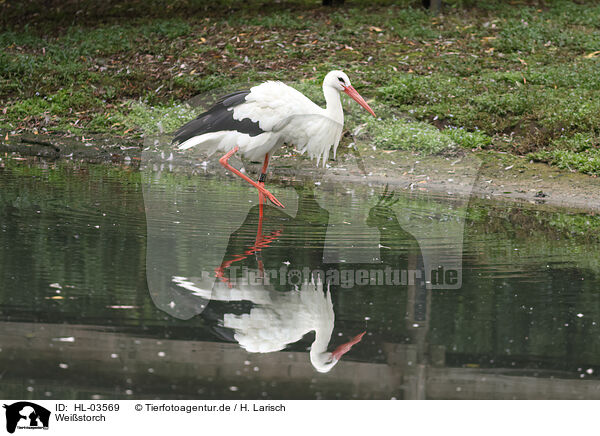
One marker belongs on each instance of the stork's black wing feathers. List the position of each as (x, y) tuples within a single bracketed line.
[(218, 118)]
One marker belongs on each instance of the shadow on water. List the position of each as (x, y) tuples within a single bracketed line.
[(117, 283)]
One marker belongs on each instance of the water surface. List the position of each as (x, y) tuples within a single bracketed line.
[(120, 283)]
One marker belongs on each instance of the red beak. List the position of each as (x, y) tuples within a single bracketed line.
[(344, 348), (356, 96)]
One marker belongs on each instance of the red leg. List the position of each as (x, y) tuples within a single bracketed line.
[(261, 189), (265, 164), (261, 181)]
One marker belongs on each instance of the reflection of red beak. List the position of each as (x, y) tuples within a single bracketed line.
[(344, 348), (356, 96)]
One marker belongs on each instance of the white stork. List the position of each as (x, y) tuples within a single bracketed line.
[(258, 121), (278, 319)]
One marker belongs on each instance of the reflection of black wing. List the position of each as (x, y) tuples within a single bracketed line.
[(213, 315), (223, 333), (219, 118)]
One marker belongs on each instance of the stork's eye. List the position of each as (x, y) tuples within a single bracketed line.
[(341, 80)]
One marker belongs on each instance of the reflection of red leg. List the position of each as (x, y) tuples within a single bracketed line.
[(261, 189), (259, 236), (260, 243), (261, 200)]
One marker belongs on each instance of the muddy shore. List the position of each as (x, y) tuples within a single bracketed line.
[(490, 175)]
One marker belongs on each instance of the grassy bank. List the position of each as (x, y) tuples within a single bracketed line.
[(519, 77)]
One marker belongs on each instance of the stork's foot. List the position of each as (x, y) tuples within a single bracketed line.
[(225, 162), (270, 196)]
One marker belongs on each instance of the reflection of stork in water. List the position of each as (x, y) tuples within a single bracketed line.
[(278, 319), (265, 317), (288, 317)]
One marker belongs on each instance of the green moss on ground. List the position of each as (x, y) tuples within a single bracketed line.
[(519, 78)]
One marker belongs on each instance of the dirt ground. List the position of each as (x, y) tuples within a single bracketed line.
[(492, 176), (488, 175)]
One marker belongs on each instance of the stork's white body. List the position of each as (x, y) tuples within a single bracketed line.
[(258, 121), (277, 319), (282, 114), (285, 319), (286, 116)]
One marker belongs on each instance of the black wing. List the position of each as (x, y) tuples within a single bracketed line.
[(219, 118)]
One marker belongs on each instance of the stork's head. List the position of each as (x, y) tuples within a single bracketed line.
[(324, 361), (339, 81)]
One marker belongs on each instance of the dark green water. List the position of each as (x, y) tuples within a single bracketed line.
[(115, 283)]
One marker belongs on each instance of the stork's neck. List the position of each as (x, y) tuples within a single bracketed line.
[(334, 104), (322, 338)]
